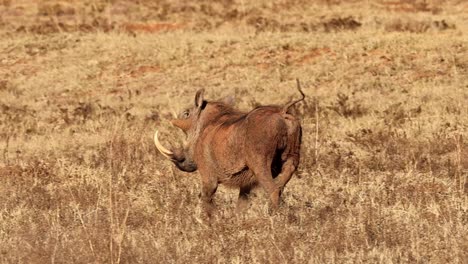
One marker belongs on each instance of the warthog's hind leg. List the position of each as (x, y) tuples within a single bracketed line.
[(265, 179), (289, 167)]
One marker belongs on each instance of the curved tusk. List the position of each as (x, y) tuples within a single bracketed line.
[(164, 151)]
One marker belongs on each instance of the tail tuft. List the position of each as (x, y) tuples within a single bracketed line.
[(288, 105)]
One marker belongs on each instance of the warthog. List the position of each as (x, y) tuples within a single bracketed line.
[(238, 149)]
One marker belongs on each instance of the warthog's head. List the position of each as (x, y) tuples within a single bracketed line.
[(188, 121)]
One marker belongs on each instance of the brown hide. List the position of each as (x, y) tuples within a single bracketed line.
[(231, 145)]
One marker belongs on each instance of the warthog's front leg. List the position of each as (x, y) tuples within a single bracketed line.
[(209, 187)]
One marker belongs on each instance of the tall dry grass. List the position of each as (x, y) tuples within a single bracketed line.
[(83, 85)]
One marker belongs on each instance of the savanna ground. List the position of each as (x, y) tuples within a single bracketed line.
[(84, 84)]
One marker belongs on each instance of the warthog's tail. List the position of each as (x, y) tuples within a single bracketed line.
[(288, 105)]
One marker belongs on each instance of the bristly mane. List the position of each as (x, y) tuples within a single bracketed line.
[(226, 115)]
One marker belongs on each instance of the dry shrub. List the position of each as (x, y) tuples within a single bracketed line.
[(3, 85), (79, 113), (417, 26), (265, 23), (338, 159), (396, 114), (51, 27), (348, 108), (55, 9), (21, 120), (413, 6), (341, 23), (461, 59)]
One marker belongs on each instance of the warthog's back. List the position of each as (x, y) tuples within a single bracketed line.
[(230, 148)]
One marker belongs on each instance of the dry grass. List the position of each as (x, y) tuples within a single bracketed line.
[(83, 85)]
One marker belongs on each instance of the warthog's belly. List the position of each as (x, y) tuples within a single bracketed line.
[(243, 178)]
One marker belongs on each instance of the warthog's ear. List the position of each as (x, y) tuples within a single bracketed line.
[(199, 98)]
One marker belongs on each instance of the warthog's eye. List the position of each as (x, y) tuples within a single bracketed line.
[(186, 114)]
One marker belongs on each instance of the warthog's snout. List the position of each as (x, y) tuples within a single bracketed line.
[(177, 156)]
